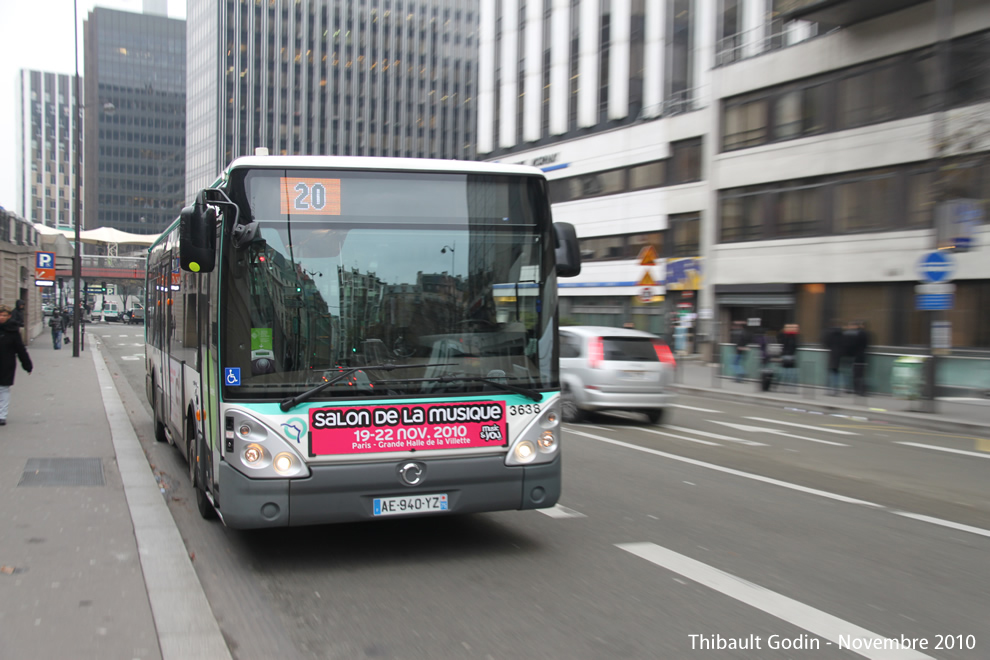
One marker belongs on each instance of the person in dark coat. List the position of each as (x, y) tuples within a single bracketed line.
[(11, 349), (789, 340), (740, 339), (57, 326), (834, 344), (856, 341)]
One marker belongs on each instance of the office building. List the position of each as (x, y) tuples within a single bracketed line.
[(782, 158), (134, 125), (335, 77), (45, 148)]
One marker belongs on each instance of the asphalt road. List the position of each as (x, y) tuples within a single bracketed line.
[(730, 526)]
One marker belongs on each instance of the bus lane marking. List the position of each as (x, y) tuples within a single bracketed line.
[(840, 633), (727, 470), (679, 437), (759, 429), (945, 449), (718, 436), (785, 484), (802, 426), (559, 511), (704, 410)]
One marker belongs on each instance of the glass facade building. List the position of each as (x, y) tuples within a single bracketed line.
[(333, 77), (46, 148), (134, 154)]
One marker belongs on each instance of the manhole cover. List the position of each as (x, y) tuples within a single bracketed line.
[(62, 472)]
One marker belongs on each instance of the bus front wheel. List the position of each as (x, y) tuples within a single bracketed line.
[(194, 447)]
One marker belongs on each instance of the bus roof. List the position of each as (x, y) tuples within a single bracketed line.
[(371, 163)]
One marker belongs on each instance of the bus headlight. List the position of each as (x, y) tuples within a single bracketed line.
[(547, 441), (524, 452), (283, 463), (253, 454)]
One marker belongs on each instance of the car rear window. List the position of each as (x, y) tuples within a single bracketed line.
[(629, 349)]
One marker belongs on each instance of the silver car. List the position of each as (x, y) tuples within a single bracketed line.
[(603, 368)]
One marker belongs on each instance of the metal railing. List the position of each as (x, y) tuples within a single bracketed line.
[(759, 40)]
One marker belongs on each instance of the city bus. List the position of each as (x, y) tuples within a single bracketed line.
[(334, 339)]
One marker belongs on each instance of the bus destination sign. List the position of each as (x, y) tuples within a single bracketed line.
[(373, 429)]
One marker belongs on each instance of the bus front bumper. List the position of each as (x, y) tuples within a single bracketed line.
[(345, 493)]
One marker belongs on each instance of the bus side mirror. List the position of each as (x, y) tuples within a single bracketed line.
[(198, 237), (567, 251)]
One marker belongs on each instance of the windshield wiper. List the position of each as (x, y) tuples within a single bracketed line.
[(515, 389), (294, 401)]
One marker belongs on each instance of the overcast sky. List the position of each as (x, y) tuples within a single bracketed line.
[(38, 35)]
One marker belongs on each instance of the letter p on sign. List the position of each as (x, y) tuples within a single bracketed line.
[(44, 266)]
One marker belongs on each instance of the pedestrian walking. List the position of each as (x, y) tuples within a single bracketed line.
[(740, 339), (57, 325), (11, 349), (789, 340), (833, 342), (859, 359), (855, 341)]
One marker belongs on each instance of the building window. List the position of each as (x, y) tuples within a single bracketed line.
[(799, 112), (920, 203), (685, 234), (685, 161), (647, 175), (864, 205), (624, 246), (744, 124), (800, 212), (741, 218)]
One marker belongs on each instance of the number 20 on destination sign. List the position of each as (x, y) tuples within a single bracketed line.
[(310, 196)]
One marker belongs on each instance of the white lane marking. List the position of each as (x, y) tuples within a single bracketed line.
[(704, 410), (839, 631), (679, 437), (945, 523), (558, 511), (131, 357), (738, 473), (759, 429), (952, 451), (802, 426), (717, 436), (785, 484), (592, 426)]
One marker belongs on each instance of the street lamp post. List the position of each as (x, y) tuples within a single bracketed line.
[(445, 249), (77, 210), (77, 203)]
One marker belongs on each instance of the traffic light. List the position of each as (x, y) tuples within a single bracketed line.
[(103, 287)]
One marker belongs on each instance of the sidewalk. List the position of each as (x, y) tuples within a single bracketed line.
[(92, 563), (951, 415)]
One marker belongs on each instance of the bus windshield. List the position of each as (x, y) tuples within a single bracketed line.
[(447, 275)]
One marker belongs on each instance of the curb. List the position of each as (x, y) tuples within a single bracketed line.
[(186, 626), (933, 422)]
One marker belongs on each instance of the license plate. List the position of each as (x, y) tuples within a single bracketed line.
[(393, 506), (637, 375)]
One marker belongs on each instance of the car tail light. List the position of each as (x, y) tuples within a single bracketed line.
[(664, 354), (596, 352)]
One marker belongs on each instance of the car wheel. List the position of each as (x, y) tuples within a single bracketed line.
[(569, 408), (655, 416)]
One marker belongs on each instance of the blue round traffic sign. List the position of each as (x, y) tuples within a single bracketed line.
[(936, 266)]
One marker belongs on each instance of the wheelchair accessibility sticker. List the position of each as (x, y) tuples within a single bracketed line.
[(232, 375)]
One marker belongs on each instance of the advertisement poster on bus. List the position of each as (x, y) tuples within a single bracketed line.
[(372, 429)]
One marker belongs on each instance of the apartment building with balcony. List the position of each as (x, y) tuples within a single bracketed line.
[(780, 156)]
